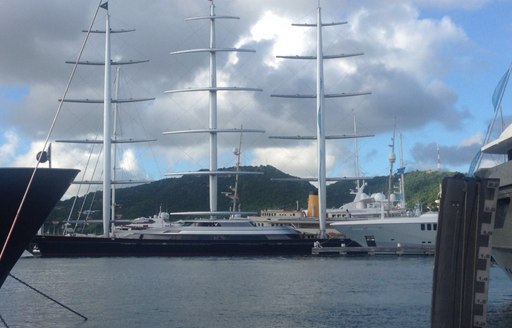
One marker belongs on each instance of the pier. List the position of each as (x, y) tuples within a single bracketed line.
[(371, 251)]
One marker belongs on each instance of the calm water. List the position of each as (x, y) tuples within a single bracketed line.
[(233, 292)]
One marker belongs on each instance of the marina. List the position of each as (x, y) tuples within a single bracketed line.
[(211, 234), (376, 261)]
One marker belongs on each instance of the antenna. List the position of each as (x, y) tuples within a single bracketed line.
[(438, 158), (392, 159)]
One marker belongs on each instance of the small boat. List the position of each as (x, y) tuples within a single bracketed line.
[(23, 211)]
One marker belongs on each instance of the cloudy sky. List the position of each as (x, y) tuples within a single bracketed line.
[(431, 66)]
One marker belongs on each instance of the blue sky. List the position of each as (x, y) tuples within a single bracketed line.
[(431, 65)]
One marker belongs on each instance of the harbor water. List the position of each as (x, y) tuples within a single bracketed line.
[(308, 291)]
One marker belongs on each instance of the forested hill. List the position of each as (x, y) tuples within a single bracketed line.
[(257, 192)]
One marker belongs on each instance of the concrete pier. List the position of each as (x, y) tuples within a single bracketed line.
[(371, 251)]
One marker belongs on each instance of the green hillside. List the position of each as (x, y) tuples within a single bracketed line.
[(257, 192)]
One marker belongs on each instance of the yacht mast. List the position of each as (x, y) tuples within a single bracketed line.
[(320, 120), (356, 154), (213, 114), (114, 153), (213, 129), (392, 158), (238, 153), (320, 128), (107, 133), (108, 139), (403, 203)]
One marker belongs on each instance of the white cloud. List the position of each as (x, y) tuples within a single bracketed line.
[(472, 140), (8, 148), (407, 57), (452, 4), (298, 160), (128, 162)]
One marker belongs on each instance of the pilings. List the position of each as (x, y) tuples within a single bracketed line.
[(463, 252)]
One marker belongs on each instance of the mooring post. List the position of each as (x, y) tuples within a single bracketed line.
[(463, 252)]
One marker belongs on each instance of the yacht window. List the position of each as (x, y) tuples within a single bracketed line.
[(422, 226), (429, 226), (370, 241), (435, 226)]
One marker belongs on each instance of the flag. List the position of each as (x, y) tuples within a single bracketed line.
[(400, 170), (500, 88), (104, 5)]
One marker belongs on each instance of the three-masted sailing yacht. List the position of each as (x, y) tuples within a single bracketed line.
[(209, 235)]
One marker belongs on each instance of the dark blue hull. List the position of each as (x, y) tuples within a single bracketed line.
[(64, 246), (46, 190)]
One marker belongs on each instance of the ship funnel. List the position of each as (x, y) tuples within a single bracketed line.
[(313, 205)]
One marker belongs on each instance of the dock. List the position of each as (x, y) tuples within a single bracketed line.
[(371, 251)]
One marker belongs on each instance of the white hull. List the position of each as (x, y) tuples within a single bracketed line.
[(391, 232)]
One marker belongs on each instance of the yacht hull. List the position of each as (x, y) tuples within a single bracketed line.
[(414, 232), (72, 246), (45, 191)]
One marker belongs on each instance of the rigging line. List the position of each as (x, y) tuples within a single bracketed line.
[(88, 186), (52, 126), (91, 204), (80, 186), (48, 297), (3, 321)]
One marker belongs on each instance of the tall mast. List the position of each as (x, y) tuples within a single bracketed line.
[(213, 129), (114, 152), (108, 139), (403, 203), (356, 154), (237, 152), (320, 120), (107, 133), (392, 158), (438, 159), (213, 114), (320, 128)]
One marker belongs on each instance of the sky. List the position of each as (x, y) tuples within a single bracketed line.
[(431, 68)]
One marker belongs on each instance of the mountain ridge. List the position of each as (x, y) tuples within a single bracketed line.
[(257, 192)]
